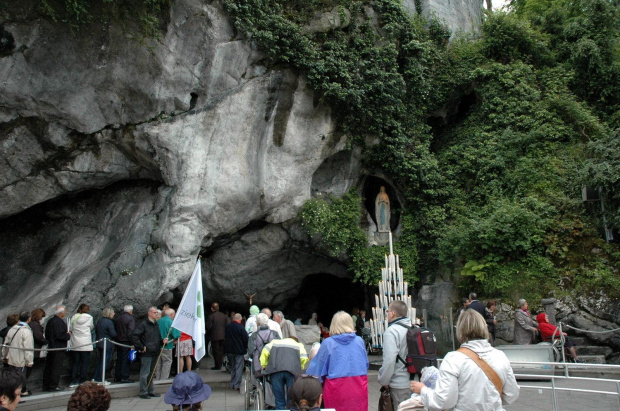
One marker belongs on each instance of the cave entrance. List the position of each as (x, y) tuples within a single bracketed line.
[(325, 294)]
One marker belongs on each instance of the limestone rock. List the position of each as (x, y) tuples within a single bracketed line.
[(308, 334), (120, 163), (323, 22), (461, 16)]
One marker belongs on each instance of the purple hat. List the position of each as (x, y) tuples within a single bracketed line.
[(187, 388)]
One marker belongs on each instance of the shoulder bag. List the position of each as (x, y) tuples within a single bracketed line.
[(490, 372), (5, 350)]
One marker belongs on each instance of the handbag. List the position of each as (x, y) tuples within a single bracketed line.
[(43, 354), (490, 372), (385, 400)]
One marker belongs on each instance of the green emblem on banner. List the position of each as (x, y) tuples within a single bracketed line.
[(199, 307)]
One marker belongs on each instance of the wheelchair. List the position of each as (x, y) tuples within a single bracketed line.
[(253, 388)]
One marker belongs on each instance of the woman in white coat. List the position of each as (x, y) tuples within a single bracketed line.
[(462, 384), (81, 326)]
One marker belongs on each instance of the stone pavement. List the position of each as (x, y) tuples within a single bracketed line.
[(125, 395)]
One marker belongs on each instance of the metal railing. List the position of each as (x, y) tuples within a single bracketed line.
[(70, 348), (553, 378)]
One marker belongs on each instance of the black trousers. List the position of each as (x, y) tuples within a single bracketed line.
[(53, 367), (218, 352)]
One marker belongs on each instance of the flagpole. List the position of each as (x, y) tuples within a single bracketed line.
[(163, 347), (158, 357)]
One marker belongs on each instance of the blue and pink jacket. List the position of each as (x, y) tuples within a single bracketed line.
[(342, 365)]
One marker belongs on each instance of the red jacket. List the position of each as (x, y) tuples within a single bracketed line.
[(546, 329)]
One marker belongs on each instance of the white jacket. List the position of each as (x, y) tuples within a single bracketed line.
[(463, 386), (274, 326), (81, 327), (250, 325), (20, 336)]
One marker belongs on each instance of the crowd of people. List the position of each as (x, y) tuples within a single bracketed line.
[(154, 339), (333, 375)]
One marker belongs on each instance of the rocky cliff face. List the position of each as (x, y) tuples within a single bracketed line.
[(120, 162)]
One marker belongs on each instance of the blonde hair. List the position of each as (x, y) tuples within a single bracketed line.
[(107, 312), (341, 323), (471, 326)]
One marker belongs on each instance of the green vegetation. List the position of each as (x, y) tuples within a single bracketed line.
[(144, 14), (336, 222), (530, 111), (489, 139)]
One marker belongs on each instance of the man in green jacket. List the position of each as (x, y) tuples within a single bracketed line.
[(162, 371)]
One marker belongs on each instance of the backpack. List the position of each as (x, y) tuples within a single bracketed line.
[(421, 349)]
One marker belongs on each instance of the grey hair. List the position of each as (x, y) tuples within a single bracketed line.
[(169, 311), (473, 296), (279, 314), (262, 319), (266, 311), (237, 317), (128, 308), (107, 312), (471, 326), (60, 309), (521, 302)]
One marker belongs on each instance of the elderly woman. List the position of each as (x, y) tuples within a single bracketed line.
[(342, 365), (105, 329), (525, 326), (549, 331), (462, 383)]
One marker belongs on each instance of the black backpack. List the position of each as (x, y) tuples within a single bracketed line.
[(421, 349)]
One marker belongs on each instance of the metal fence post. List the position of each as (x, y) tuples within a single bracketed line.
[(555, 396), (452, 330), (178, 360), (563, 353), (105, 348)]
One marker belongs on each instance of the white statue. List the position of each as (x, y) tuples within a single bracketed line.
[(382, 211)]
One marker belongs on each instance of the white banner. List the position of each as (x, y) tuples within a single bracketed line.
[(190, 316)]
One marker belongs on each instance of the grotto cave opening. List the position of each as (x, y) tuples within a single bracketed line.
[(324, 294)]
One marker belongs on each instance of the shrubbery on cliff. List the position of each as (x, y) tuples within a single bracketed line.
[(489, 138)]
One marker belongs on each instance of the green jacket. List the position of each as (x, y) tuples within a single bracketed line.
[(164, 326)]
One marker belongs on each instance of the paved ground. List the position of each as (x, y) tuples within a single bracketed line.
[(222, 398)]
